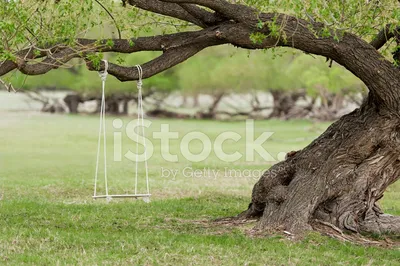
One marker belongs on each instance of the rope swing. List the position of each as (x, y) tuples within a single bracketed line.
[(102, 133)]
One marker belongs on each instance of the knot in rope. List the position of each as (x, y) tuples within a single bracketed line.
[(140, 76), (139, 84), (103, 74)]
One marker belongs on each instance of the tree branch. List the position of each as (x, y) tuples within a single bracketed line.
[(167, 60), (237, 12), (177, 51), (168, 9), (49, 63), (29, 53), (111, 16), (61, 54), (208, 18), (383, 37)]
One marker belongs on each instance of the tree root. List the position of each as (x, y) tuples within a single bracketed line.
[(376, 223), (333, 231)]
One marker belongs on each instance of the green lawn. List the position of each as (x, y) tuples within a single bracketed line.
[(47, 216)]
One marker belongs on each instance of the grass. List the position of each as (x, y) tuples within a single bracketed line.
[(47, 216)]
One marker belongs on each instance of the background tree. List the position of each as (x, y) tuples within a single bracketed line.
[(288, 76), (339, 177)]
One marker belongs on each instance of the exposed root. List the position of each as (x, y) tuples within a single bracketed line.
[(333, 231), (233, 221), (381, 224), (247, 226)]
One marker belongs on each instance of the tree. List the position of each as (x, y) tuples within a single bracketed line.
[(340, 176), (288, 76)]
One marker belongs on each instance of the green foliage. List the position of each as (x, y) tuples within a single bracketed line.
[(45, 23), (232, 70), (315, 75), (257, 37), (95, 59)]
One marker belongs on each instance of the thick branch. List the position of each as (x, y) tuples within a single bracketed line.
[(8, 65), (168, 9), (383, 37), (47, 64), (167, 60), (61, 55), (237, 12), (207, 17), (175, 52)]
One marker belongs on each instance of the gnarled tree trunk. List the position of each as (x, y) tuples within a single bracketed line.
[(338, 178)]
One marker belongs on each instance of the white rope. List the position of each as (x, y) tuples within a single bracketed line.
[(102, 127), (102, 133), (140, 123)]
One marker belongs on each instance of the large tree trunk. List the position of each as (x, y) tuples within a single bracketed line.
[(337, 179)]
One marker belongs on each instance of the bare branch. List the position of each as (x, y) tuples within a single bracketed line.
[(171, 57), (111, 16), (37, 96), (9, 87)]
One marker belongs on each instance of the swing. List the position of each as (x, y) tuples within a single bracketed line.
[(102, 131)]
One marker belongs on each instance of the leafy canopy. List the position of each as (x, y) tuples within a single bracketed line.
[(41, 24)]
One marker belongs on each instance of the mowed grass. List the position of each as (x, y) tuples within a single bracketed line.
[(47, 215)]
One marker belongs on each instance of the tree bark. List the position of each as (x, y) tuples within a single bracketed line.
[(338, 178)]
